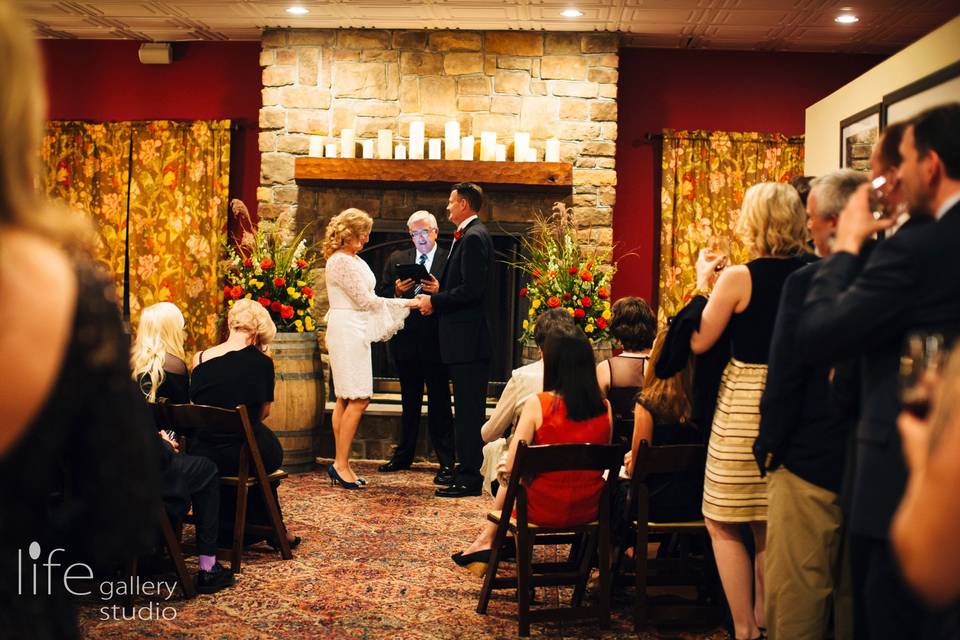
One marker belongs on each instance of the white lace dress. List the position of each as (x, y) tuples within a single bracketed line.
[(356, 318)]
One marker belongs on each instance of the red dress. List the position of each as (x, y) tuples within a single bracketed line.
[(564, 498)]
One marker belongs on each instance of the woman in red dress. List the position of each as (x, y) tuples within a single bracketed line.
[(570, 410)]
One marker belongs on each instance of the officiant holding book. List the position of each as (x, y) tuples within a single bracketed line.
[(416, 349)]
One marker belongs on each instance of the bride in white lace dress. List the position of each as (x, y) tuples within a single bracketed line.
[(356, 318)]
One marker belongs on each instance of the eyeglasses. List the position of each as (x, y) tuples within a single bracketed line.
[(420, 233)]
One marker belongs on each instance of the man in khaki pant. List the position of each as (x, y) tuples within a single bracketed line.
[(804, 429)]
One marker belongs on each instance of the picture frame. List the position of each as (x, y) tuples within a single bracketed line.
[(938, 88), (858, 133)]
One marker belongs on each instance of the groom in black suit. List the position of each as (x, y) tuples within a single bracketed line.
[(465, 344), (416, 353)]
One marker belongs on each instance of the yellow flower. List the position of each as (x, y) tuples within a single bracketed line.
[(536, 303), (229, 303), (588, 328), (300, 312), (526, 323), (291, 291), (606, 314), (606, 305), (164, 294), (295, 295), (531, 312), (570, 310), (254, 282), (298, 324), (249, 296), (309, 323), (301, 283)]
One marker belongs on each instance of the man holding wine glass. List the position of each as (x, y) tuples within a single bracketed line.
[(907, 284)]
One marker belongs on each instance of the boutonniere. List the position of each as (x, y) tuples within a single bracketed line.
[(457, 234)]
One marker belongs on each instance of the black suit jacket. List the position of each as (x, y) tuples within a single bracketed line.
[(419, 339), (909, 283), (461, 301)]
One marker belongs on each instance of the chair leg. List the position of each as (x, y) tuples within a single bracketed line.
[(524, 568), (239, 525), (640, 577), (279, 530), (605, 576), (587, 545), (176, 553), (491, 575)]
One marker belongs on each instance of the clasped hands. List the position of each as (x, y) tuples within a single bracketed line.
[(421, 302)]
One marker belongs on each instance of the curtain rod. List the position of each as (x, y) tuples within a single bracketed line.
[(651, 136)]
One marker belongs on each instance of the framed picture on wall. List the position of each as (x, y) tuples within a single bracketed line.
[(938, 88), (858, 133)]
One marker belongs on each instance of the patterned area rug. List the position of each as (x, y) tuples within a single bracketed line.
[(373, 563)]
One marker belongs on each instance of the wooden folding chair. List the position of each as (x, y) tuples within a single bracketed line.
[(670, 571), (190, 419), (586, 538)]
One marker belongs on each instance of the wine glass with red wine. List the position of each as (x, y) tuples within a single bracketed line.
[(920, 366)]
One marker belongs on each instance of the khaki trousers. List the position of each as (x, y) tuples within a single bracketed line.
[(803, 568)]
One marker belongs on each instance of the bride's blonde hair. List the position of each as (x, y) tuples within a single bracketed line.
[(347, 225), (160, 332)]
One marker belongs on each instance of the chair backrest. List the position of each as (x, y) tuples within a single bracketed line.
[(161, 417), (196, 418), (673, 458), (544, 458)]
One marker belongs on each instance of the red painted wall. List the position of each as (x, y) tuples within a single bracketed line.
[(104, 80), (712, 90)]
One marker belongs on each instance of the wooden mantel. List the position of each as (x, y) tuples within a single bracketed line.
[(432, 174)]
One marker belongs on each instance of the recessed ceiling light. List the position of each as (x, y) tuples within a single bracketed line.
[(298, 11), (571, 13), (846, 18)]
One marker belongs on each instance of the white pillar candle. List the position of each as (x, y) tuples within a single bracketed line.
[(531, 155), (385, 144), (501, 153), (466, 148), (416, 140), (367, 149), (331, 151), (521, 144), (434, 149), (451, 135), (347, 149), (316, 146), (488, 145), (552, 153), (400, 153)]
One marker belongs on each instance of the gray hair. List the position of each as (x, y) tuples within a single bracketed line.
[(424, 216), (832, 191)]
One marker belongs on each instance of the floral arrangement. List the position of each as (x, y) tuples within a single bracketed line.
[(566, 274), (270, 265)]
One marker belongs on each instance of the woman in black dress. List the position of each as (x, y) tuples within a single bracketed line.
[(239, 371), (157, 359)]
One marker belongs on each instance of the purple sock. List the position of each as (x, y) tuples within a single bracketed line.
[(207, 562)]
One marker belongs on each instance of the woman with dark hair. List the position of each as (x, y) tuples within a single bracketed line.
[(570, 410)]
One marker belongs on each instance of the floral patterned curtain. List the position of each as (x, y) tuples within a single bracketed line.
[(178, 220), (86, 166), (705, 175)]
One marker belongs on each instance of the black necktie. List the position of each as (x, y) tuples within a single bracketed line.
[(423, 260)]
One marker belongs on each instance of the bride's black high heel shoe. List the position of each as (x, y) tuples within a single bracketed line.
[(335, 479)]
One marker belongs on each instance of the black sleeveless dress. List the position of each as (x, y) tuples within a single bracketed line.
[(626, 380)]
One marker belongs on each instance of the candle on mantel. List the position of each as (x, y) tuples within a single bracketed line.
[(434, 144), (316, 146), (347, 148), (331, 151), (416, 140), (400, 153), (552, 153), (488, 145), (451, 135), (521, 144), (466, 148), (531, 155), (501, 153), (385, 144), (367, 149)]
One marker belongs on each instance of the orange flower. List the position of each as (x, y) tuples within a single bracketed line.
[(301, 264), (279, 282), (579, 313), (602, 293), (601, 322), (307, 291), (585, 301), (572, 270), (267, 263), (248, 263), (586, 276), (286, 312), (236, 293), (553, 302)]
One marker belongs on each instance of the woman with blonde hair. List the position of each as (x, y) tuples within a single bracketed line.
[(234, 372), (157, 359), (356, 318), (772, 225)]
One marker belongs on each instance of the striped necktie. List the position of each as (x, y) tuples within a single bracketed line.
[(423, 260)]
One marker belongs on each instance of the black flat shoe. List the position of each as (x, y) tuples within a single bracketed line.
[(457, 491), (393, 465), (444, 477), (273, 544), (214, 580)]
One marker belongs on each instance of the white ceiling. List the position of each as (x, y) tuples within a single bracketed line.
[(784, 25)]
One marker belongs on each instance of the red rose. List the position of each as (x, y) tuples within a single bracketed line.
[(264, 301), (602, 293), (226, 291), (236, 293), (523, 292), (276, 306), (566, 297), (586, 301), (579, 313), (248, 263), (537, 273), (601, 322), (553, 302), (586, 276), (266, 263), (286, 312), (279, 282), (307, 291), (301, 264), (571, 270)]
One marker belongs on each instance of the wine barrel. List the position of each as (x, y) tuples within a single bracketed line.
[(297, 409), (530, 353)]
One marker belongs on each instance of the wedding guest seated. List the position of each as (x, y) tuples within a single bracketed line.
[(157, 360), (662, 417), (633, 325), (239, 371), (569, 410), (523, 383)]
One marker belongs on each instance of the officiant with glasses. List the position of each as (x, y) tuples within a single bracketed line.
[(416, 349)]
